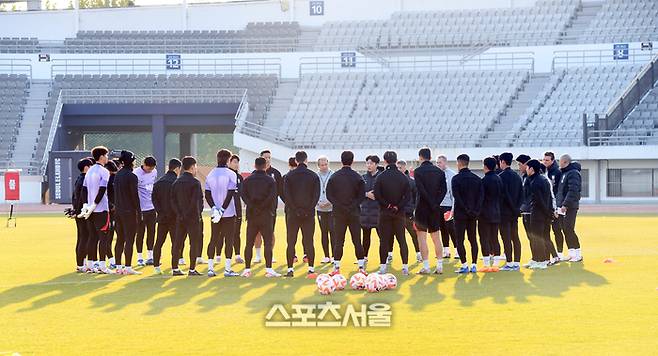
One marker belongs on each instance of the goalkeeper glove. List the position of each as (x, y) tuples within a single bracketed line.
[(216, 214)]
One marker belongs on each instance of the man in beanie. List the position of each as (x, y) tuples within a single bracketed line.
[(127, 208)]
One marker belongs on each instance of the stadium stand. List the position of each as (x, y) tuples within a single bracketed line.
[(13, 94), (640, 127), (579, 90), (19, 45), (256, 37), (410, 108), (623, 20), (541, 24)]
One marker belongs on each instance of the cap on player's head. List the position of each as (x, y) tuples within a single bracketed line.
[(223, 156), (464, 159), (425, 153), (522, 158), (174, 164), (301, 157), (373, 158), (347, 158), (111, 166), (390, 157), (188, 162), (85, 162), (99, 151), (149, 161), (490, 163), (506, 157), (127, 158), (535, 165), (260, 163)]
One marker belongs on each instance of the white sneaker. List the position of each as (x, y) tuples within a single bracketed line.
[(130, 271), (419, 258), (325, 260), (201, 261), (438, 269), (530, 263), (105, 271), (272, 274), (576, 259)]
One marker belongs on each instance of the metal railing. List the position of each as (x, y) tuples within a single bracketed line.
[(16, 66), (488, 61), (159, 66), (622, 137), (54, 125), (181, 45), (579, 58), (354, 140)]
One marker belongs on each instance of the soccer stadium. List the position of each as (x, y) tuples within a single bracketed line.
[(181, 176)]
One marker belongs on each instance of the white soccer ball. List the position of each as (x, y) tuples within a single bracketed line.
[(391, 281), (340, 281), (322, 277), (375, 282), (325, 285), (358, 281)]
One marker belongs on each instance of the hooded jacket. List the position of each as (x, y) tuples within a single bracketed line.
[(568, 193)]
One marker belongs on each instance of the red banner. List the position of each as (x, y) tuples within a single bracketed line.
[(12, 185)]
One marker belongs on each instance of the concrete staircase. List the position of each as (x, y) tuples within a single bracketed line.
[(503, 130), (280, 106), (308, 38), (28, 133), (584, 16)]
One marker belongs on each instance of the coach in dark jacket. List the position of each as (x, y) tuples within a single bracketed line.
[(80, 223), (126, 203), (187, 201), (489, 218), (392, 192), (345, 191), (568, 202), (369, 208), (162, 202), (541, 211), (259, 192), (510, 208), (409, 210), (467, 192), (301, 189), (431, 187)]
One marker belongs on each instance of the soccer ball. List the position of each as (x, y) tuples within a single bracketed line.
[(391, 281), (358, 281), (375, 282), (322, 277), (325, 285), (339, 281)]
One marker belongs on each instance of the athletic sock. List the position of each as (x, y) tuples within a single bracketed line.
[(577, 253), (446, 250), (102, 265), (439, 263), (269, 270), (258, 253), (290, 269), (360, 262), (311, 269), (426, 264), (112, 260), (486, 261), (249, 269), (150, 254), (211, 264), (337, 264), (464, 265), (90, 264), (139, 256), (382, 268), (418, 255), (405, 266), (390, 254), (227, 264)]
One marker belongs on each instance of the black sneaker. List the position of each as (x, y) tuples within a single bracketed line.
[(177, 272), (193, 272), (290, 274)]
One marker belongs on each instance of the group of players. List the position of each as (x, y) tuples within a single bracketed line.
[(112, 196)]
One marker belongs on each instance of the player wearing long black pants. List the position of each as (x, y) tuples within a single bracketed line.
[(510, 207), (187, 202), (80, 223), (326, 223), (464, 228), (164, 228), (488, 233), (366, 233), (409, 226), (468, 195), (301, 188), (146, 226), (166, 217), (82, 240), (184, 229), (447, 228), (307, 226), (392, 192), (98, 224), (509, 229), (489, 218), (222, 235), (126, 229), (260, 223), (541, 211)]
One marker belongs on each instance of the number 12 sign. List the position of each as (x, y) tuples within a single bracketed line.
[(316, 8)]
